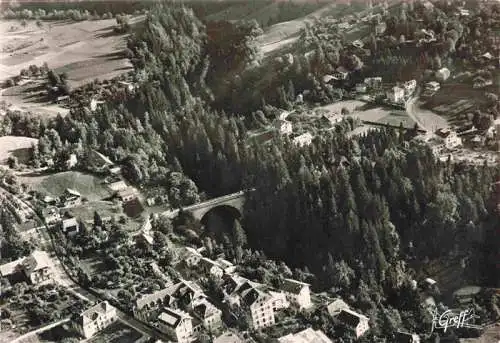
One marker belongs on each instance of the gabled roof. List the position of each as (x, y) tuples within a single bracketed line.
[(70, 222), (204, 309), (350, 317), (72, 192), (293, 286), (165, 295), (93, 313), (36, 261), (172, 318), (336, 306)]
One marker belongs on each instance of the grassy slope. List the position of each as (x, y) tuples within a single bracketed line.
[(89, 186)]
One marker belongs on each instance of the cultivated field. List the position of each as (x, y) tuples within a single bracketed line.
[(89, 186), (85, 50), (15, 146)]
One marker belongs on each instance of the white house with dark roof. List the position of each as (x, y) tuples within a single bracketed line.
[(297, 293), (336, 306), (95, 319), (306, 336), (356, 322), (209, 315), (177, 324), (211, 267), (71, 198), (249, 296), (70, 226), (190, 256), (35, 269), (226, 266)]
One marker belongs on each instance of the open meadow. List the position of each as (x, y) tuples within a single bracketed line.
[(84, 50), (15, 146), (89, 186)]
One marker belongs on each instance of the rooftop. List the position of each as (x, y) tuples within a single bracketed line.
[(94, 313), (293, 286), (36, 261), (306, 336), (350, 317), (172, 318)]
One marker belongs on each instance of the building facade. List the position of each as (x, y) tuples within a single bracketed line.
[(95, 319)]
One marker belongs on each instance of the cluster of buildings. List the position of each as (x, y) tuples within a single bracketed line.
[(35, 269), (182, 311), (399, 94)]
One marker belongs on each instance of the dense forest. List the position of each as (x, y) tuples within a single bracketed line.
[(349, 211)]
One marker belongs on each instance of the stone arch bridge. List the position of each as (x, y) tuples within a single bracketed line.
[(233, 202)]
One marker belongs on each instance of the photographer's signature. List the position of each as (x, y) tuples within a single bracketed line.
[(454, 318)]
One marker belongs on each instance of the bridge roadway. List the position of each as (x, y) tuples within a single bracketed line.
[(209, 203)]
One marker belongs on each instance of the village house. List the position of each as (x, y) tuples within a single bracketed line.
[(480, 82), (373, 82), (117, 186), (409, 87), (128, 85), (71, 161), (70, 226), (354, 321), (329, 78), (35, 269), (432, 86), (283, 126), (297, 293), (51, 215), (396, 94), (279, 300), (71, 198), (443, 74), (304, 139), (177, 324), (336, 306), (380, 28), (449, 138), (361, 88), (128, 194), (211, 267), (308, 335), (331, 118), (249, 296), (147, 306), (358, 44), (465, 296), (226, 266), (189, 256), (341, 73), (95, 319), (209, 315), (405, 337)]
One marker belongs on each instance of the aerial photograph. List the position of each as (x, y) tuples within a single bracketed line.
[(250, 171)]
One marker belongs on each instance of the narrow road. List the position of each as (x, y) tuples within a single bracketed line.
[(425, 119)]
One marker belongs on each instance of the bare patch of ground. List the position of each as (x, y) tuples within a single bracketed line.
[(15, 146)]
